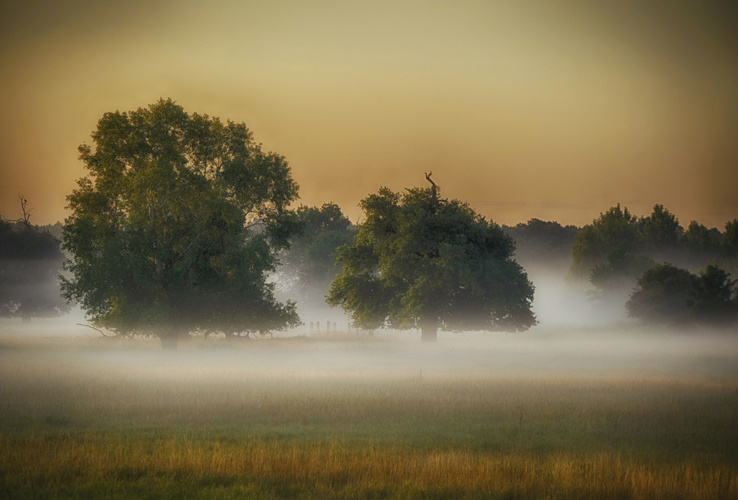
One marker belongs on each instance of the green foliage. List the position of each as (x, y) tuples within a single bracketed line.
[(613, 230), (424, 261), (700, 242), (663, 294), (668, 294), (310, 261), (171, 229), (30, 262), (713, 296), (660, 232)]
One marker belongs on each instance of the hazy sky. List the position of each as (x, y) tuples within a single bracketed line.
[(549, 109)]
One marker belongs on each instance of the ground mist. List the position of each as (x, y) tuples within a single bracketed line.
[(550, 414)]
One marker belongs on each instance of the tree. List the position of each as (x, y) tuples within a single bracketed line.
[(701, 243), (176, 225), (660, 233), (712, 294), (618, 275), (614, 229), (544, 242), (310, 261), (30, 262), (663, 294), (424, 261), (666, 293), (729, 246)]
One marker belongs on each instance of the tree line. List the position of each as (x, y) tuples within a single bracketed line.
[(183, 220)]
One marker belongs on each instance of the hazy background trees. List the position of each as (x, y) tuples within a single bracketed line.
[(309, 265), (649, 262), (422, 261), (668, 294), (541, 243), (176, 226), (30, 264)]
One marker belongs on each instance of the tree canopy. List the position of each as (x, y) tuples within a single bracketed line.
[(668, 294), (175, 226), (421, 261), (614, 229)]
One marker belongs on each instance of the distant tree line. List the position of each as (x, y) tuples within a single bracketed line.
[(30, 264), (649, 261), (542, 242)]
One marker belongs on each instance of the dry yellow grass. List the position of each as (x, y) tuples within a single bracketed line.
[(342, 469)]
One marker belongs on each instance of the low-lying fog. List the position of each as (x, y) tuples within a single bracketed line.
[(575, 337), (624, 349)]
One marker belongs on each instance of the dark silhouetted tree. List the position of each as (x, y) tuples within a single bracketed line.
[(713, 296), (668, 294), (729, 246), (612, 230), (176, 225), (701, 244), (422, 261), (542, 242), (30, 263), (664, 294), (660, 234)]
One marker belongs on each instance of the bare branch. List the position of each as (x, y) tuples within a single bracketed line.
[(97, 330), (428, 178), (26, 219)]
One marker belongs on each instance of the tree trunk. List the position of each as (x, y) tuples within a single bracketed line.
[(429, 333)]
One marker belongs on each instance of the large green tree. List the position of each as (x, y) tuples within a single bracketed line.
[(175, 226), (422, 261)]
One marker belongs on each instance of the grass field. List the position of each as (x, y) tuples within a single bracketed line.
[(546, 415)]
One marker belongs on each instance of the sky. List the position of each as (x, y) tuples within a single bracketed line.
[(554, 110)]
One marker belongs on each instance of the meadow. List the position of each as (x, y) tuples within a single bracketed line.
[(548, 414)]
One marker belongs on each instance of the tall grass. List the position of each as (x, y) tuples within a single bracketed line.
[(91, 463)]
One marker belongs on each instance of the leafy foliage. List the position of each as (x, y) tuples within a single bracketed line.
[(663, 294), (615, 229), (424, 261), (173, 227), (666, 293), (30, 263), (700, 242)]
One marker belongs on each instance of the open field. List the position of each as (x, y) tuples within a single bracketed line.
[(546, 414)]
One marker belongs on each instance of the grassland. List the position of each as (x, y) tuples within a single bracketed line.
[(556, 416)]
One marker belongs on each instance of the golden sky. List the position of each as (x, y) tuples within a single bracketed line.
[(549, 109)]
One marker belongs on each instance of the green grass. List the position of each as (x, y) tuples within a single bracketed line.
[(331, 418)]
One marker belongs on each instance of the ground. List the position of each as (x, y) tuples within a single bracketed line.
[(617, 412)]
